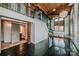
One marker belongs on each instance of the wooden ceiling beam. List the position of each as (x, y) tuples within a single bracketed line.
[(39, 7), (58, 11), (47, 8)]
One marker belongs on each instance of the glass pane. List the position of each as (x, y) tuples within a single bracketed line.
[(59, 42), (61, 28), (56, 41), (56, 20), (18, 7), (60, 19), (56, 28)]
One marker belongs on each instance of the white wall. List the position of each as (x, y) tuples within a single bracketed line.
[(12, 14), (41, 30), (7, 31)]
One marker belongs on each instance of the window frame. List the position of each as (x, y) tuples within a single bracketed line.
[(59, 26)]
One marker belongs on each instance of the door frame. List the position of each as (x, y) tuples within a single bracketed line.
[(0, 35)]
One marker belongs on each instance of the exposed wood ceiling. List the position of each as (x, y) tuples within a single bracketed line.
[(52, 9)]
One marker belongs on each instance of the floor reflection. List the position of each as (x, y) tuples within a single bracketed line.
[(19, 50), (58, 47)]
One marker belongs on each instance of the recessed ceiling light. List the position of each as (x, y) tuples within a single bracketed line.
[(54, 9)]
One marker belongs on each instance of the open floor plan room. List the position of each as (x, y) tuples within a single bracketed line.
[(39, 29)]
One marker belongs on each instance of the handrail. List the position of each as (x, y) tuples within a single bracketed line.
[(66, 38), (74, 45), (57, 36)]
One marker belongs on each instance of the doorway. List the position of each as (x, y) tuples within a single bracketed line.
[(23, 31), (14, 32)]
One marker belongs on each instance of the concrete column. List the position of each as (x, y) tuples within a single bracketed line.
[(52, 24), (32, 32), (67, 25), (29, 33), (49, 24), (29, 9), (71, 24), (75, 17), (26, 32)]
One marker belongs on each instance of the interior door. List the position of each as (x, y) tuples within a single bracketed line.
[(15, 33)]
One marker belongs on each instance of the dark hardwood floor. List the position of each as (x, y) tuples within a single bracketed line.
[(19, 50)]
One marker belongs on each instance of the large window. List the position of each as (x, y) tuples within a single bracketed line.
[(59, 24), (18, 7)]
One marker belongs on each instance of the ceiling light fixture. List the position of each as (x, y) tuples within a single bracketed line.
[(63, 14), (54, 10)]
